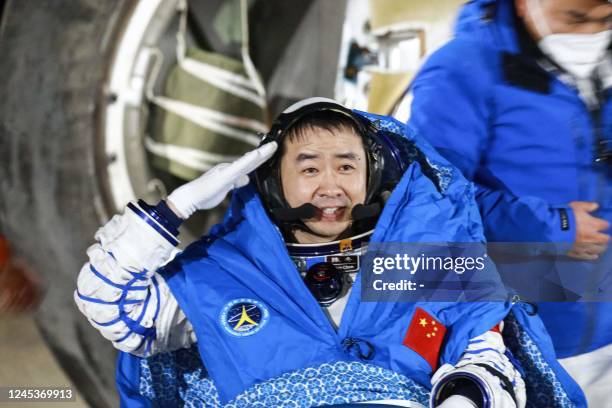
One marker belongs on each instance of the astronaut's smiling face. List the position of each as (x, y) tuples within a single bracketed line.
[(327, 168)]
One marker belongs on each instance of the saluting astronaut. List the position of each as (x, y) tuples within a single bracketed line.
[(269, 301)]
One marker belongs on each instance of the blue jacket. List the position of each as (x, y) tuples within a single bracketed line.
[(528, 142), (296, 355)]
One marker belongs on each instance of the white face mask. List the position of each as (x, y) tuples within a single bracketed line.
[(578, 54)]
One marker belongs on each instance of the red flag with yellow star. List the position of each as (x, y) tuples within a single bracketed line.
[(424, 336)]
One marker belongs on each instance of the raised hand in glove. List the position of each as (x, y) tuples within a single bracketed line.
[(208, 190)]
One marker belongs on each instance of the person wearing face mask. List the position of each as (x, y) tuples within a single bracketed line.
[(520, 100), (265, 310)]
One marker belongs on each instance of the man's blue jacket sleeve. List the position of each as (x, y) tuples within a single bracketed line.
[(454, 109)]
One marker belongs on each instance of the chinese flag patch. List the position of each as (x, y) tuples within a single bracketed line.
[(424, 336), (496, 328)]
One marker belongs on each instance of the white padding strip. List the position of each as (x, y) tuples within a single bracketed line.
[(222, 79), (195, 159), (213, 120)]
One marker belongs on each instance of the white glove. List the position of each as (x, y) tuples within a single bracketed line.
[(489, 350), (208, 190), (458, 401)]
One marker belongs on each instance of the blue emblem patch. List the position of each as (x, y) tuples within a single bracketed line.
[(244, 317)]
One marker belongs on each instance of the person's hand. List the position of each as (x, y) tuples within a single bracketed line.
[(590, 240), (484, 362), (208, 190), (458, 401)]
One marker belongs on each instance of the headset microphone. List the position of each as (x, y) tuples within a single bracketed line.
[(306, 211), (362, 212), (303, 212)]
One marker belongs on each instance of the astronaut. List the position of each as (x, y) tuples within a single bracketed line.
[(269, 301)]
